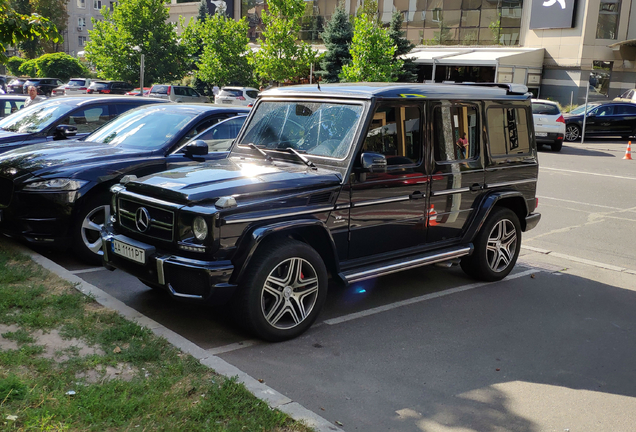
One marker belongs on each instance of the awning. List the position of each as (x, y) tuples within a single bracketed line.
[(527, 57), (629, 42)]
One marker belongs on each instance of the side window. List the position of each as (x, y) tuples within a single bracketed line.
[(625, 110), (508, 131), (88, 119), (605, 110), (395, 132), (252, 93), (198, 129), (192, 92), (179, 91), (456, 132)]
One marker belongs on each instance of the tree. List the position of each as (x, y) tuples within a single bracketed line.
[(132, 24), (59, 65), (372, 52), (29, 68), (369, 8), (337, 38), (226, 54), (280, 57), (13, 65), (16, 28), (402, 47), (53, 10)]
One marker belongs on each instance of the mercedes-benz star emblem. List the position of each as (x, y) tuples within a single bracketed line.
[(142, 219)]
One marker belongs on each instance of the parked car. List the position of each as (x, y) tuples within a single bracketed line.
[(4, 80), (44, 85), (16, 85), (549, 124), (75, 87), (58, 91), (109, 87), (236, 96), (57, 194), (63, 118), (626, 96), (10, 104), (177, 93), (607, 119), (137, 92), (341, 181)]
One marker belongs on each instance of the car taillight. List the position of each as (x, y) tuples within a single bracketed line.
[(168, 93), (561, 119), (536, 202), (240, 98), (82, 88), (104, 91)]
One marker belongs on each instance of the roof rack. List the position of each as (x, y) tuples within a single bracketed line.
[(511, 88)]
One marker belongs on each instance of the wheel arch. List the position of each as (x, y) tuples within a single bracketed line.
[(313, 232), (512, 200)]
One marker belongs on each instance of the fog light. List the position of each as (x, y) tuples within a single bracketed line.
[(200, 228)]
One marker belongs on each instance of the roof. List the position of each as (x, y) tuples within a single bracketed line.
[(401, 90), (457, 56), (85, 99)]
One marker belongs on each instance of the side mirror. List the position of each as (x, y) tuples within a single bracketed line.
[(591, 114), (196, 148), (64, 131), (373, 162)]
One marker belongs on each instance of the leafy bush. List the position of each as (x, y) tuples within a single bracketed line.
[(13, 65), (60, 65), (29, 68)]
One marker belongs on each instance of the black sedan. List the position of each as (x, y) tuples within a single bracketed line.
[(608, 119), (60, 119), (57, 194), (44, 86), (16, 85)]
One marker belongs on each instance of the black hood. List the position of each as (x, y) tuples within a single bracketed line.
[(237, 177), (12, 137)]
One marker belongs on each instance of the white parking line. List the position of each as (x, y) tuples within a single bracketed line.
[(581, 203), (588, 173), (419, 299)]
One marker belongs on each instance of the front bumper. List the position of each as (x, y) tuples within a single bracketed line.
[(183, 278)]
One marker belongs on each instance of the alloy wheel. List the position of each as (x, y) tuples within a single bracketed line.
[(501, 246), (572, 133), (289, 293), (91, 227)]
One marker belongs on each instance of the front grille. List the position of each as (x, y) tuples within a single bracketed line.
[(161, 220), (6, 192)]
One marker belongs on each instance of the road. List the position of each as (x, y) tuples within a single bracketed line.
[(552, 347)]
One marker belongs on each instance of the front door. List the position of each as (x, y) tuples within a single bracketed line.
[(601, 120), (388, 209)]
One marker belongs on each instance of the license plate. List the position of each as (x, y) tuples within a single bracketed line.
[(127, 251), (541, 134), (226, 101)]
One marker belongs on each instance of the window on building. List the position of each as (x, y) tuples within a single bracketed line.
[(607, 27), (600, 77), (81, 40), (81, 22), (81, 4), (508, 131), (97, 4)]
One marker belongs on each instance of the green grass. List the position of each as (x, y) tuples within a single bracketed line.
[(166, 390)]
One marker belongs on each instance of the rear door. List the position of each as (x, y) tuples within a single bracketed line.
[(458, 171), (625, 119), (601, 121)]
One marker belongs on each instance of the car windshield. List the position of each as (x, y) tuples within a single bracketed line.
[(76, 83), (579, 109), (35, 118), (147, 128), (315, 128)]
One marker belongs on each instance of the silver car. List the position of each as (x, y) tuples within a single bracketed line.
[(245, 96), (549, 124)]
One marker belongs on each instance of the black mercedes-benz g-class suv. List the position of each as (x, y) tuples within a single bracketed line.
[(348, 182)]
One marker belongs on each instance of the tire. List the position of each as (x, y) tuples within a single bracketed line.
[(87, 242), (572, 132), (278, 303), (556, 146), (496, 247)]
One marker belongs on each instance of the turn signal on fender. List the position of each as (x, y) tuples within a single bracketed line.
[(628, 152)]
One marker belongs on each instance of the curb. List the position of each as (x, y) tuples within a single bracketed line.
[(267, 394)]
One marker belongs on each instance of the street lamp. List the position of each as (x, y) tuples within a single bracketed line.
[(141, 70)]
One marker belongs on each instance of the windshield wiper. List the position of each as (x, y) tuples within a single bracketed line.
[(304, 160), (261, 151)]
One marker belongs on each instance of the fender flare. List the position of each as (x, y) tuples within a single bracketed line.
[(486, 206), (249, 243)]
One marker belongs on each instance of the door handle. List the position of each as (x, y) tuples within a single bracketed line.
[(416, 195), (475, 187)]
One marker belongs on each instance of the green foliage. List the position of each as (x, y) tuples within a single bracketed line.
[(29, 68), (204, 12), (281, 57), (53, 10), (142, 24), (495, 28), (337, 38), (12, 388), (16, 28), (13, 65), (402, 46), (226, 55), (372, 53), (60, 65), (369, 8)]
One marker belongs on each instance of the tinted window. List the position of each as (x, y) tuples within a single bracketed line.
[(233, 93), (35, 118), (76, 83), (252, 93), (192, 92), (604, 110), (395, 133), (159, 89), (625, 109), (508, 131), (88, 119), (220, 136), (99, 85), (179, 91), (545, 109), (456, 132)]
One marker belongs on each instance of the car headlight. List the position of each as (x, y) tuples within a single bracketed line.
[(200, 228), (61, 184)]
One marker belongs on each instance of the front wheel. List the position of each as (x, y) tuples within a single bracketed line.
[(496, 247), (284, 290), (572, 132), (87, 241)]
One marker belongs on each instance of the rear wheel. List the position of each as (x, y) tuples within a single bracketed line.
[(556, 146), (87, 241), (284, 290), (572, 132), (496, 247)]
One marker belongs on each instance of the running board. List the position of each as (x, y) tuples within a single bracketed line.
[(396, 265)]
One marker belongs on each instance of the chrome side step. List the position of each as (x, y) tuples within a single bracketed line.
[(411, 262)]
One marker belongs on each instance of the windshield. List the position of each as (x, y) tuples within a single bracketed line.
[(579, 109), (147, 128), (314, 128), (35, 118), (76, 83)]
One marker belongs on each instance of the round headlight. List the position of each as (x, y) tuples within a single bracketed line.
[(200, 228)]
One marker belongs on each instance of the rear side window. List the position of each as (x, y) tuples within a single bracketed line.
[(545, 109), (252, 93), (233, 93), (76, 83), (159, 89), (508, 131), (625, 109), (179, 91), (456, 132)]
